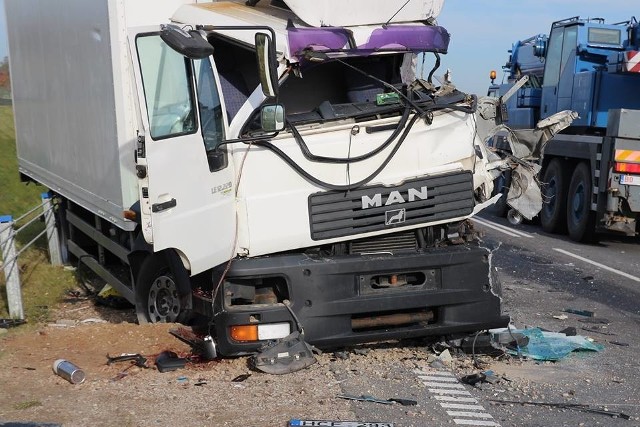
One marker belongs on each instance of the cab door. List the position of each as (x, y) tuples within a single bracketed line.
[(186, 181)]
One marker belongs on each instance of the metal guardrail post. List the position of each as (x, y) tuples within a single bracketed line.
[(10, 267), (52, 233)]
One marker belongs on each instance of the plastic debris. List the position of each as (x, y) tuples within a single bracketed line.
[(574, 406), (550, 346), (585, 313)]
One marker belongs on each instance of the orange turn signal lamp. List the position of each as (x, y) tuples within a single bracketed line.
[(244, 333)]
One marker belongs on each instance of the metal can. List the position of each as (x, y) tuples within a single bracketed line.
[(68, 371)]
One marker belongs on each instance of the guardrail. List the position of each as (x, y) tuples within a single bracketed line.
[(10, 256)]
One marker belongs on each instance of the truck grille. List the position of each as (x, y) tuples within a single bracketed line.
[(436, 198), (387, 243)]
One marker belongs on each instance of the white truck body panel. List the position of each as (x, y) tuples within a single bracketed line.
[(77, 86)]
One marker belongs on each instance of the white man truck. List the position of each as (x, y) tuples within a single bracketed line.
[(272, 166)]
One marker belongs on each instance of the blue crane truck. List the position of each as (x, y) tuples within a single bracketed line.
[(590, 172)]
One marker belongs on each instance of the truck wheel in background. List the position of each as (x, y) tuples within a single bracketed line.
[(157, 297), (580, 218), (501, 185), (554, 199)]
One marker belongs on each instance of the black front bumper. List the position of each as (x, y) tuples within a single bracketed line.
[(332, 297)]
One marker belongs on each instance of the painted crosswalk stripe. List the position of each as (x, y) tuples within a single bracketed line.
[(462, 406), (469, 414), (438, 373), (475, 422), (443, 391), (456, 399), (443, 385), (434, 378)]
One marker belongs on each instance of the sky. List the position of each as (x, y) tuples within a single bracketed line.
[(483, 31)]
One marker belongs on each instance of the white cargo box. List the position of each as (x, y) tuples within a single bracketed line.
[(74, 104), (348, 13)]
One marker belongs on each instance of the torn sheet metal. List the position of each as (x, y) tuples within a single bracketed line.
[(526, 149), (524, 193)]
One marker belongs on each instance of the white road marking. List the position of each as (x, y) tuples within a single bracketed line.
[(441, 391), (469, 414), (443, 385), (436, 378), (503, 229), (462, 406), (597, 264), (475, 422), (449, 393), (457, 399)]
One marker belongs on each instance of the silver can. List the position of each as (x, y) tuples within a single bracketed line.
[(68, 371)]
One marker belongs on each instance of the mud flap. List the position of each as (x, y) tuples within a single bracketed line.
[(284, 356)]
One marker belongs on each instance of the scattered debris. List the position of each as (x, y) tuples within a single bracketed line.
[(11, 323), (574, 406), (621, 344), (137, 359), (200, 382), (570, 331), (68, 371), (473, 379), (585, 313), (561, 317), (361, 351), (598, 330), (284, 356), (597, 320), (310, 423), (169, 361), (240, 378), (341, 355), (551, 346), (367, 398)]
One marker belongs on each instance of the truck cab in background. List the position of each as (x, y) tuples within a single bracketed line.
[(590, 172)]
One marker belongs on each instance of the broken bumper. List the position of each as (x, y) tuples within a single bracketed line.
[(347, 300)]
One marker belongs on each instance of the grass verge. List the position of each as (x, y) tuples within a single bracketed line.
[(43, 285)]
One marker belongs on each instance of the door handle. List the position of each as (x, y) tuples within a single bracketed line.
[(159, 207)]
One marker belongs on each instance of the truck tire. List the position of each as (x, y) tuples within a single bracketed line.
[(157, 297), (554, 199), (581, 219)]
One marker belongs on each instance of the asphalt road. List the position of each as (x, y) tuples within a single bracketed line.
[(541, 275)]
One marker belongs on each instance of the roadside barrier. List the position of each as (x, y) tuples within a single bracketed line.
[(10, 256)]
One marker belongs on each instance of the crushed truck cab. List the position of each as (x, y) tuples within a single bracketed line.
[(240, 163)]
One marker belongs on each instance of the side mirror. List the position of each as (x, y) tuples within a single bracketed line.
[(189, 44), (266, 55), (272, 118)]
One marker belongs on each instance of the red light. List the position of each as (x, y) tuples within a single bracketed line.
[(627, 167)]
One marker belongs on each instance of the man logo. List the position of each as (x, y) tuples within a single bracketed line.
[(413, 194), (393, 217)]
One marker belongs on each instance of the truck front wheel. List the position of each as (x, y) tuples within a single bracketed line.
[(157, 297), (554, 207), (580, 218)]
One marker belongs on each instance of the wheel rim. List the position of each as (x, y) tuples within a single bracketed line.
[(578, 203), (163, 304)]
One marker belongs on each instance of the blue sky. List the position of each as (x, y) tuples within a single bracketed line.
[(482, 31)]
